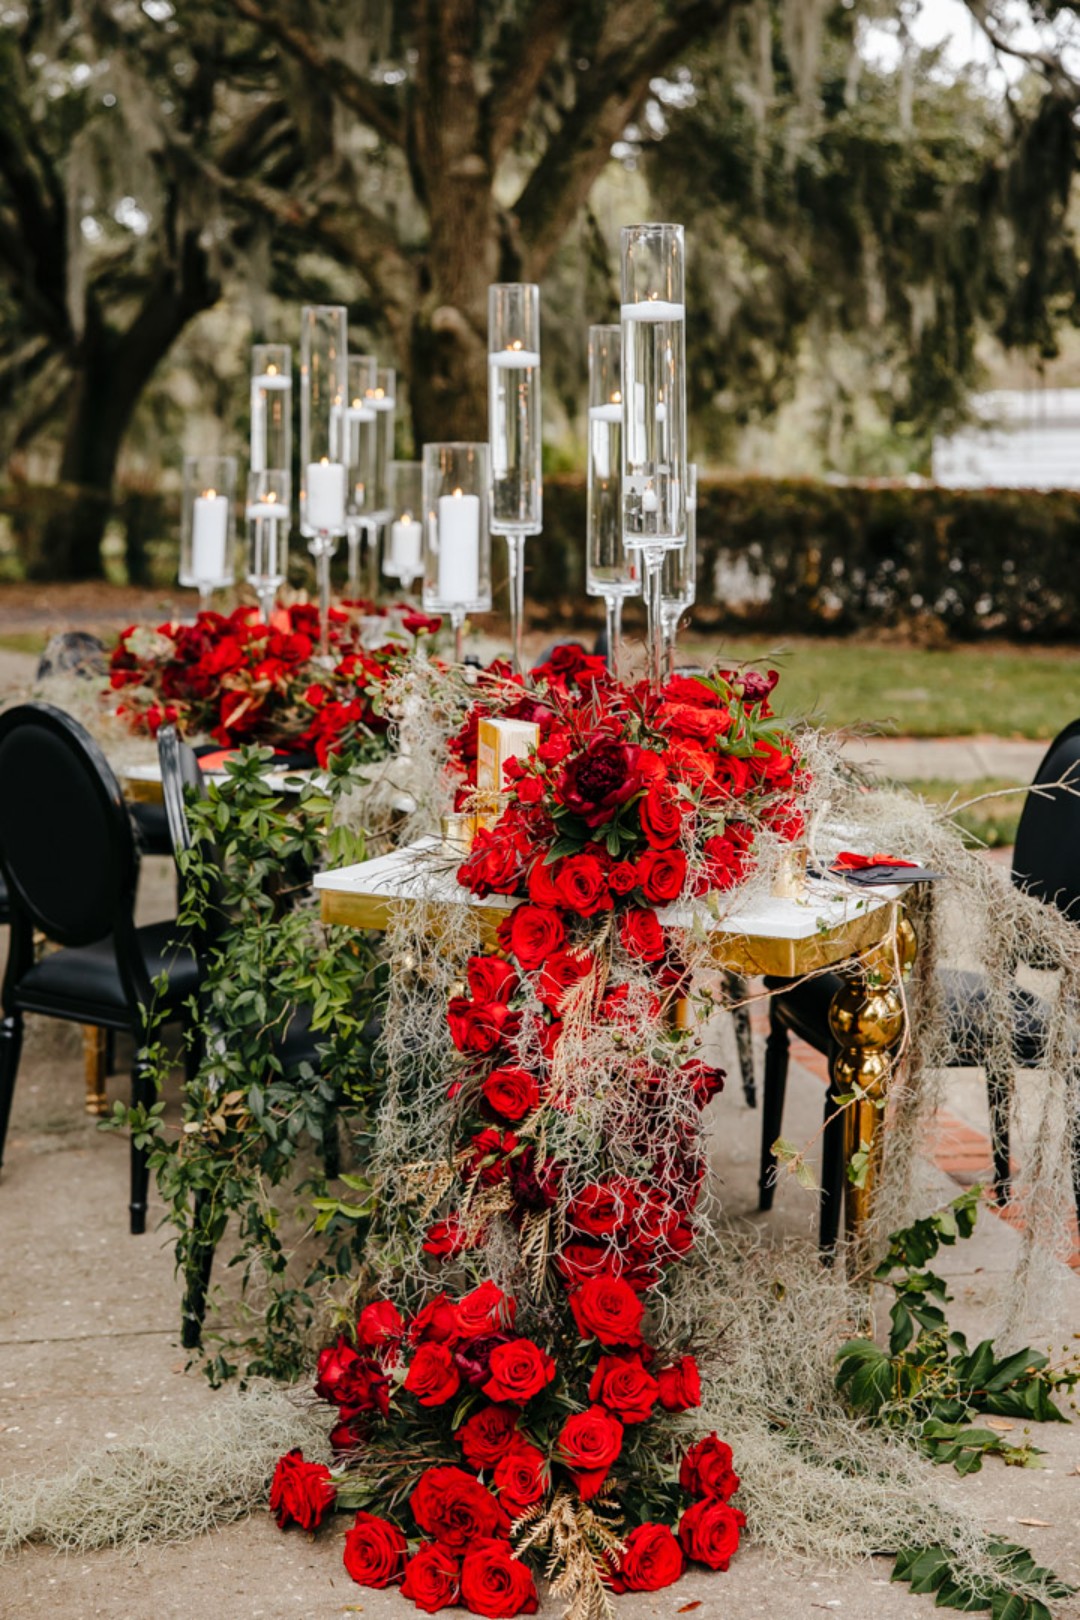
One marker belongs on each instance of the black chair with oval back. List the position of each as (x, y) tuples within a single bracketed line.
[(70, 860), (1046, 864)]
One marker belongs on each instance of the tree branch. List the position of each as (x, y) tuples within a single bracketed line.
[(639, 39), (1049, 65), (379, 112), (542, 32)]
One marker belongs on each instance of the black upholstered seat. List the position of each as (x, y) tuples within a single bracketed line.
[(70, 861), (1046, 864)]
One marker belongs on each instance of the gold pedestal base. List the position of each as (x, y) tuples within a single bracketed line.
[(94, 1044)]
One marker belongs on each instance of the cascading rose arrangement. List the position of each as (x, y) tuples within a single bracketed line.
[(235, 679), (493, 1426)]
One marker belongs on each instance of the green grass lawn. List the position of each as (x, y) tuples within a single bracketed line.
[(1002, 691), (993, 820)]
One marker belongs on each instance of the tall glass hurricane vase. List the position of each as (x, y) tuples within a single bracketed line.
[(457, 533), (678, 580), (323, 391), (268, 513), (403, 553), (271, 408), (359, 441), (611, 571), (653, 317), (515, 432), (208, 525)]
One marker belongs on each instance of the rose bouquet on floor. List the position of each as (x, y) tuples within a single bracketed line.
[(549, 1408)]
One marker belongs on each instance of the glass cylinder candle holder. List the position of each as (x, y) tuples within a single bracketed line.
[(515, 432), (382, 398), (359, 442), (653, 317), (457, 533), (271, 408), (403, 553), (268, 518), (678, 577), (323, 474), (208, 525), (611, 570)]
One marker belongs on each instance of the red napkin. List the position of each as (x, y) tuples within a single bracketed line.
[(216, 761), (848, 861)]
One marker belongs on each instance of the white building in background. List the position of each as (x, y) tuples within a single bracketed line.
[(1024, 439)]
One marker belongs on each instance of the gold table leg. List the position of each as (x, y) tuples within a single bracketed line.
[(867, 1022), (94, 1041)]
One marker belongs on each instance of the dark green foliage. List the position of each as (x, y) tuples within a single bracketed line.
[(930, 1569)]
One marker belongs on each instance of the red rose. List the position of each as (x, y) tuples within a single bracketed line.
[(512, 1093), (495, 1583), (651, 1558), (301, 1492), (604, 1207), (706, 1470), (680, 1385), (333, 1364), (732, 776), (380, 1323), (490, 1150), (374, 1551), (491, 979), (520, 1478), (479, 1027), (641, 934), (622, 877), (455, 1508), (598, 782), (494, 863), (542, 890), (533, 934), (486, 1310), (622, 1385), (432, 1376), (582, 885), (589, 1443), (446, 1238), (474, 1359), (344, 1437), (705, 1082), (533, 1184), (559, 974), (724, 864), (577, 1261), (662, 813), (606, 1308), (435, 1323), (662, 873), (709, 1532), (432, 1578), (518, 1371), (351, 1381), (488, 1435)]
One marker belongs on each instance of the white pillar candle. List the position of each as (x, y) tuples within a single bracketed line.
[(406, 538), (381, 402), (605, 413), (649, 502), (653, 309), (268, 509), (360, 413), (459, 548), (209, 530), (514, 359), (326, 495), (271, 379)]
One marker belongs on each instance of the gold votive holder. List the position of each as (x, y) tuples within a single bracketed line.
[(789, 879), (457, 831)]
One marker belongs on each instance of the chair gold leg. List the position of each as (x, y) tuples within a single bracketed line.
[(94, 1040)]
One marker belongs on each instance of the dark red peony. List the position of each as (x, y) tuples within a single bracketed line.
[(455, 1508), (375, 1551), (496, 1584), (589, 1442), (432, 1578), (301, 1492), (709, 1532), (596, 783), (606, 1308), (651, 1558), (706, 1469), (518, 1371)]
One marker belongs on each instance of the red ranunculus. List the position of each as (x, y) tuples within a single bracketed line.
[(641, 934), (518, 1371), (301, 1492), (622, 1385), (680, 1385), (455, 1508), (559, 974), (662, 873), (581, 883), (380, 1323), (706, 1469), (589, 1442), (432, 1578), (432, 1376), (596, 783), (520, 1478), (511, 1092), (606, 1308), (534, 933), (651, 1558), (709, 1532), (491, 979), (486, 1310), (488, 1435), (477, 1028), (496, 1584), (375, 1551)]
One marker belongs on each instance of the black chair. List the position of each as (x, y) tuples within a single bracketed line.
[(70, 862), (1046, 864), (182, 779)]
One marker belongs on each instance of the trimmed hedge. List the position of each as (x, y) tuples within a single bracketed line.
[(792, 555)]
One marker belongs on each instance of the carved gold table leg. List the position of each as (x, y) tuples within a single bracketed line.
[(867, 1022), (94, 1040)]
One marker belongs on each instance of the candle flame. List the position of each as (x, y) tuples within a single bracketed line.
[(458, 492), (517, 344), (209, 494), (356, 404), (406, 517), (271, 371), (324, 461), (616, 398), (380, 393), (271, 495)]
